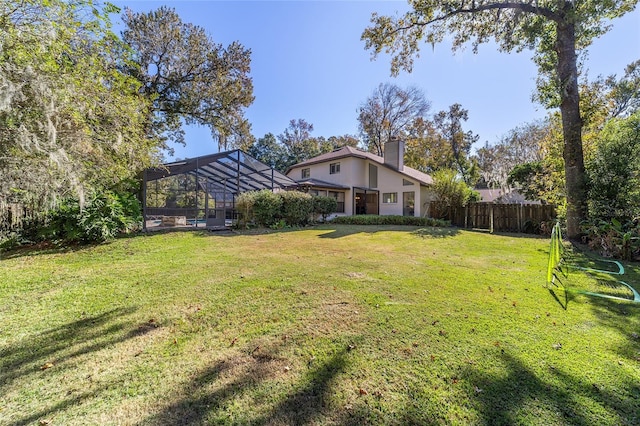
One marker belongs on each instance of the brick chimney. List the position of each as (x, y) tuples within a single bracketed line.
[(394, 153)]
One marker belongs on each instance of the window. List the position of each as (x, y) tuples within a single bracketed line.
[(390, 197), (306, 173), (373, 176), (408, 203), (339, 196), (406, 182), (334, 168)]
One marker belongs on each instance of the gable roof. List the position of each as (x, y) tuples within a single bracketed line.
[(348, 151)]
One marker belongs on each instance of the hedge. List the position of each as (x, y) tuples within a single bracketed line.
[(389, 220)]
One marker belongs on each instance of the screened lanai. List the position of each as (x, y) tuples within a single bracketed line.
[(201, 192)]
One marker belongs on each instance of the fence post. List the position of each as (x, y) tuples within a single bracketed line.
[(491, 218), (466, 215), (519, 217)]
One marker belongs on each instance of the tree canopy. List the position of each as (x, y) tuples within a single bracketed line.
[(188, 77), (70, 120), (556, 30), (388, 113)]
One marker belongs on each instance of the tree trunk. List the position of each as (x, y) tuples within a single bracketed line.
[(575, 178)]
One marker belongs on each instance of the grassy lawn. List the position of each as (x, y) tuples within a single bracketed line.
[(326, 325)]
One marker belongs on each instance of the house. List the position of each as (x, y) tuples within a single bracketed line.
[(365, 183)]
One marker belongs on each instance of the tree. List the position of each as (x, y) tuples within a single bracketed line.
[(270, 152), (424, 149), (449, 126), (336, 142), (70, 121), (519, 146), (188, 77), (298, 142), (388, 113), (614, 171), (557, 30), (450, 189)]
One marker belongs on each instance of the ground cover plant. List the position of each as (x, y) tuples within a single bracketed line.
[(335, 324)]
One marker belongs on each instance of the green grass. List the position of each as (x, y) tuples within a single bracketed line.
[(335, 324)]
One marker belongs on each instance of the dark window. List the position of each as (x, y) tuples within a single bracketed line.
[(334, 168), (408, 203), (373, 176), (339, 196), (306, 173)]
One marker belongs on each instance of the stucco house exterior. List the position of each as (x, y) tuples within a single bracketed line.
[(365, 183)]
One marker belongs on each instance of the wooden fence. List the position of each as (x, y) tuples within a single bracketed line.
[(496, 217)]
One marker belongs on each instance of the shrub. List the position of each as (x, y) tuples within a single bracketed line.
[(324, 206), (104, 216), (451, 190), (267, 207), (389, 220), (245, 203), (296, 207), (615, 239)]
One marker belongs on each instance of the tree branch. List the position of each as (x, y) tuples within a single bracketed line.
[(524, 7)]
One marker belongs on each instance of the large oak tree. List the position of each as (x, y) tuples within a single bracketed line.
[(188, 77), (557, 30)]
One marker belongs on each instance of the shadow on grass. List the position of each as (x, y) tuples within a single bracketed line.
[(205, 399), (57, 349), (339, 231), (509, 234), (518, 395), (624, 317), (45, 248)]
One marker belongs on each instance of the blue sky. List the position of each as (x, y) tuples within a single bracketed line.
[(308, 62)]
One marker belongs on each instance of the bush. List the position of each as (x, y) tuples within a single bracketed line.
[(389, 220), (451, 190), (104, 216), (615, 239), (324, 206), (296, 207), (267, 208), (244, 205)]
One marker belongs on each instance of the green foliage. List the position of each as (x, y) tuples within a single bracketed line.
[(458, 143), (613, 238), (324, 206), (521, 145), (614, 172), (71, 122), (268, 150), (244, 205), (280, 209), (294, 145), (557, 31), (188, 77), (267, 207), (389, 220), (450, 189), (104, 216), (296, 207)]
